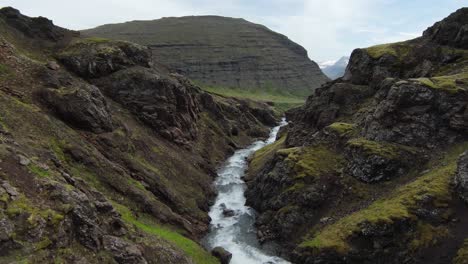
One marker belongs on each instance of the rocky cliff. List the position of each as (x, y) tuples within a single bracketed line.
[(369, 169), (221, 51), (104, 157)]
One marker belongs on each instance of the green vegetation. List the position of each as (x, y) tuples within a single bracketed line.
[(462, 254), (23, 205), (39, 171), (57, 147), (136, 183), (282, 100), (398, 206), (44, 243), (312, 161), (451, 83), (95, 40), (191, 248), (263, 155), (399, 50), (342, 128), (427, 235), (4, 69), (383, 149)]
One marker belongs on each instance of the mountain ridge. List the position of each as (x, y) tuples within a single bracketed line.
[(221, 51)]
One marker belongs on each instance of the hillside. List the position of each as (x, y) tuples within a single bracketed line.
[(104, 156), (221, 52), (373, 168)]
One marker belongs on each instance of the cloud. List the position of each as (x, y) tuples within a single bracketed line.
[(327, 29)]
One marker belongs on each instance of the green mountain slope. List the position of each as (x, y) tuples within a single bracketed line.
[(222, 52)]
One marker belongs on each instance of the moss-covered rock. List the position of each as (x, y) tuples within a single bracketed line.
[(372, 161), (462, 254), (393, 216)]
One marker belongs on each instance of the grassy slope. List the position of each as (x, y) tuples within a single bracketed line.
[(148, 226), (397, 206), (281, 101)]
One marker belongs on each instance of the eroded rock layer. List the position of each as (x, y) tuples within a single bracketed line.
[(221, 51)]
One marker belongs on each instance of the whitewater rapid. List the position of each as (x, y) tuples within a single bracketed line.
[(237, 233)]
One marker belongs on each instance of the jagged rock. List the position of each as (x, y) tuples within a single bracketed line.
[(223, 255), (53, 65), (37, 28), (164, 104), (413, 114), (228, 213), (6, 230), (92, 59), (371, 161), (10, 189), (451, 31), (461, 177), (81, 106), (123, 251), (23, 161)]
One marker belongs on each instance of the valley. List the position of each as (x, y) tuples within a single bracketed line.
[(209, 139)]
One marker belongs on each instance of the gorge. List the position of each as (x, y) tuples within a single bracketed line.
[(166, 141)]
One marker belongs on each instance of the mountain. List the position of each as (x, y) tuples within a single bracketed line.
[(335, 69), (105, 157), (373, 168), (223, 52)]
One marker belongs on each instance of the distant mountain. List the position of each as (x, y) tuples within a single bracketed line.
[(334, 69), (221, 51)]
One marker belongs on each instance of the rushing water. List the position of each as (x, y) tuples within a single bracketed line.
[(237, 233)]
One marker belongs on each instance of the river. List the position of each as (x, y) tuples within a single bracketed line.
[(236, 233)]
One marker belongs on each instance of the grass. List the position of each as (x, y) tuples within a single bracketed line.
[(312, 161), (449, 83), (41, 172), (263, 155), (399, 49), (95, 40), (4, 69), (399, 205), (136, 183), (282, 100), (462, 254), (341, 128), (191, 248), (23, 205), (383, 149)]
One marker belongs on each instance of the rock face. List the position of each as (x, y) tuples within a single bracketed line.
[(38, 28), (221, 51), (83, 107), (452, 31), (96, 58), (461, 178), (359, 173)]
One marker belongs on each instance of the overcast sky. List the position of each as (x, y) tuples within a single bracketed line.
[(328, 29)]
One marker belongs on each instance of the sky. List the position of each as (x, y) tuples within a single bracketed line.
[(328, 29)]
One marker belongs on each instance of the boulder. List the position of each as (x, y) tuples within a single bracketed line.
[(123, 252), (228, 213), (81, 106), (223, 255), (461, 177), (93, 58), (165, 104)]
